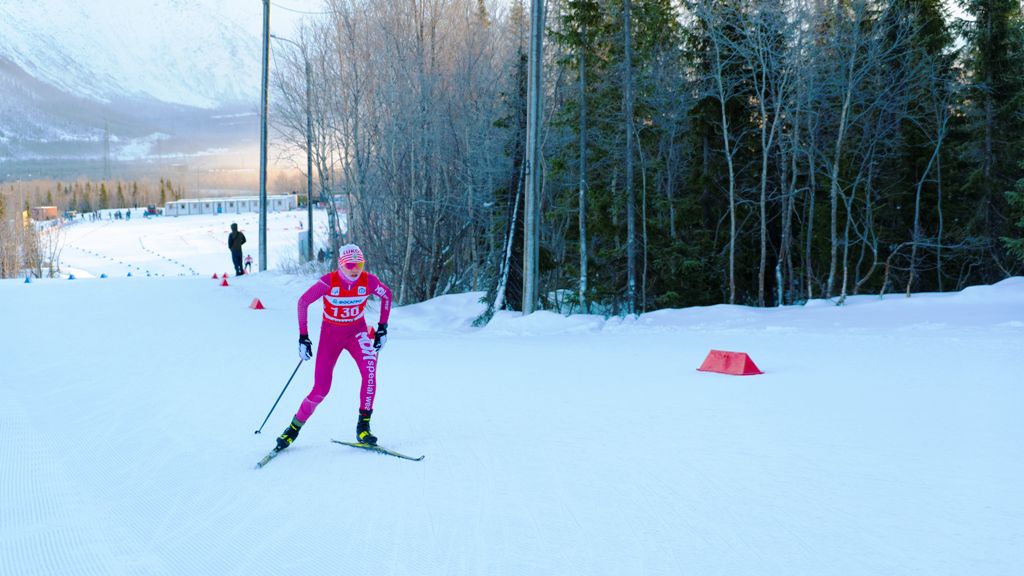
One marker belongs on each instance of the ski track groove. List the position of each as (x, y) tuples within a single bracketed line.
[(626, 518), (38, 528), (572, 561), (658, 514)]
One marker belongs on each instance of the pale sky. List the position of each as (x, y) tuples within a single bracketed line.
[(283, 19)]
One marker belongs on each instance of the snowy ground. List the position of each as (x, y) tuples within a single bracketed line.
[(181, 245), (883, 438)]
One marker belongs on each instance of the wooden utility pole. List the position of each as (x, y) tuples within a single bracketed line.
[(263, 138), (309, 158), (533, 180)]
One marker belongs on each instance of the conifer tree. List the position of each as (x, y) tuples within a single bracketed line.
[(85, 205), (723, 121), (507, 289), (103, 201), (1016, 198), (571, 32), (996, 93)]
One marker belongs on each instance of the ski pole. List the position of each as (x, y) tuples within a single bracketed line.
[(278, 398)]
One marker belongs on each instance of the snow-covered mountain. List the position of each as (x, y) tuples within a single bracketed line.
[(188, 52), (74, 73)]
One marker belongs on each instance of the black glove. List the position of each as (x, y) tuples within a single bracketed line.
[(305, 347), (380, 337)]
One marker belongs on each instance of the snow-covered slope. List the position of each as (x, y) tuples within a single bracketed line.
[(883, 438), (174, 51), (73, 72)]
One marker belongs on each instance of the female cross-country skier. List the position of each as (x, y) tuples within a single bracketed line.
[(344, 328)]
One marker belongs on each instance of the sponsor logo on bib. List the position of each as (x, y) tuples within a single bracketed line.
[(362, 290)]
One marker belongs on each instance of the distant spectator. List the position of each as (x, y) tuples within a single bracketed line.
[(320, 256), (128, 215), (235, 241)]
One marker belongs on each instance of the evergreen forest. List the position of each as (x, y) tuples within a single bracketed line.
[(694, 152)]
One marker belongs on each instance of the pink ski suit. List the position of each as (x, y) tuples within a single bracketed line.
[(335, 337)]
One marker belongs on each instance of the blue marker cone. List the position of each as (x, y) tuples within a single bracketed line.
[(103, 275), (129, 274), (71, 276), (27, 281)]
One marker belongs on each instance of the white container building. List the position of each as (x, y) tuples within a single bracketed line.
[(234, 205)]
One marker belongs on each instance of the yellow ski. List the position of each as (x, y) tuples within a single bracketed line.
[(378, 449)]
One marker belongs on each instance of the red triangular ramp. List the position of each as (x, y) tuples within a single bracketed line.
[(224, 282), (256, 304), (735, 363), (214, 276)]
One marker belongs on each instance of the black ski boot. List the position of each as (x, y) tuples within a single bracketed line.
[(363, 433), (290, 433)]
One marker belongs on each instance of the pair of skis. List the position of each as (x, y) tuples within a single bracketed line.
[(367, 447)]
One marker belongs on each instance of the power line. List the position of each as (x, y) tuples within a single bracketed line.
[(350, 10), (299, 11)]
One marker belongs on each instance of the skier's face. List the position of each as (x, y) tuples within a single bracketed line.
[(352, 270)]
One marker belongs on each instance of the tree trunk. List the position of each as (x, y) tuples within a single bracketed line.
[(499, 299), (938, 206), (846, 243), (764, 217), (888, 263), (811, 171), (630, 199), (834, 188), (787, 209), (407, 261), (719, 71), (917, 218), (583, 173)]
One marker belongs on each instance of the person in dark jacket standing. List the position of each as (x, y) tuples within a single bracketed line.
[(235, 241)]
